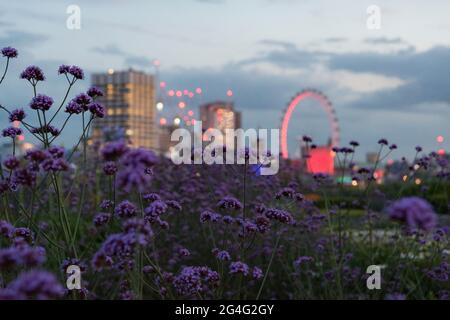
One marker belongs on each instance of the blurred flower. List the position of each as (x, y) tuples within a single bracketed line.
[(73, 108), (114, 150), (33, 73), (11, 163), (257, 273), (415, 212), (134, 164), (195, 280), (97, 110), (239, 267), (94, 92), (125, 209), (41, 102), (39, 285), (11, 132), (230, 203), (10, 52), (17, 115)]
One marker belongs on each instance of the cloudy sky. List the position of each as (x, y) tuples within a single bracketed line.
[(393, 82)]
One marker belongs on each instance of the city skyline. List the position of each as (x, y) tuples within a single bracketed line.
[(388, 83)]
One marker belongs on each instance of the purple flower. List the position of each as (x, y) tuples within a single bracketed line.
[(56, 152), (32, 256), (39, 285), (41, 102), (11, 132), (239, 267), (24, 233), (110, 168), (174, 204), (17, 115), (415, 212), (301, 260), (97, 110), (307, 139), (440, 273), (134, 164), (125, 209), (94, 92), (55, 164), (354, 143), (101, 219), (383, 141), (183, 252), (257, 273), (25, 176), (418, 148), (280, 215), (36, 155), (11, 163), (74, 108), (33, 73), (77, 72), (195, 280), (393, 147), (286, 193), (263, 223), (73, 262), (63, 69), (46, 129), (10, 52), (150, 197), (114, 150), (223, 255), (208, 215), (83, 100), (106, 204), (6, 229), (227, 219), (155, 209), (117, 249), (395, 296), (230, 203)]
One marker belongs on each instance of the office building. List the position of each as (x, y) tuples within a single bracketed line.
[(129, 99)]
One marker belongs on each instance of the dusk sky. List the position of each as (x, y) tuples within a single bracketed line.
[(393, 82)]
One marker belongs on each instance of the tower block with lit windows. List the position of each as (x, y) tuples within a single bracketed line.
[(129, 99), (219, 115)]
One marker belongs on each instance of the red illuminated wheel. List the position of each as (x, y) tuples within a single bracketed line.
[(326, 105)]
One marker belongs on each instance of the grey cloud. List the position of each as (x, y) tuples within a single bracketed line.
[(277, 43), (384, 40), (336, 39), (110, 49), (426, 72), (20, 38), (129, 59)]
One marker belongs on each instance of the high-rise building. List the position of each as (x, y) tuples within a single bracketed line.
[(219, 115), (129, 99)]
